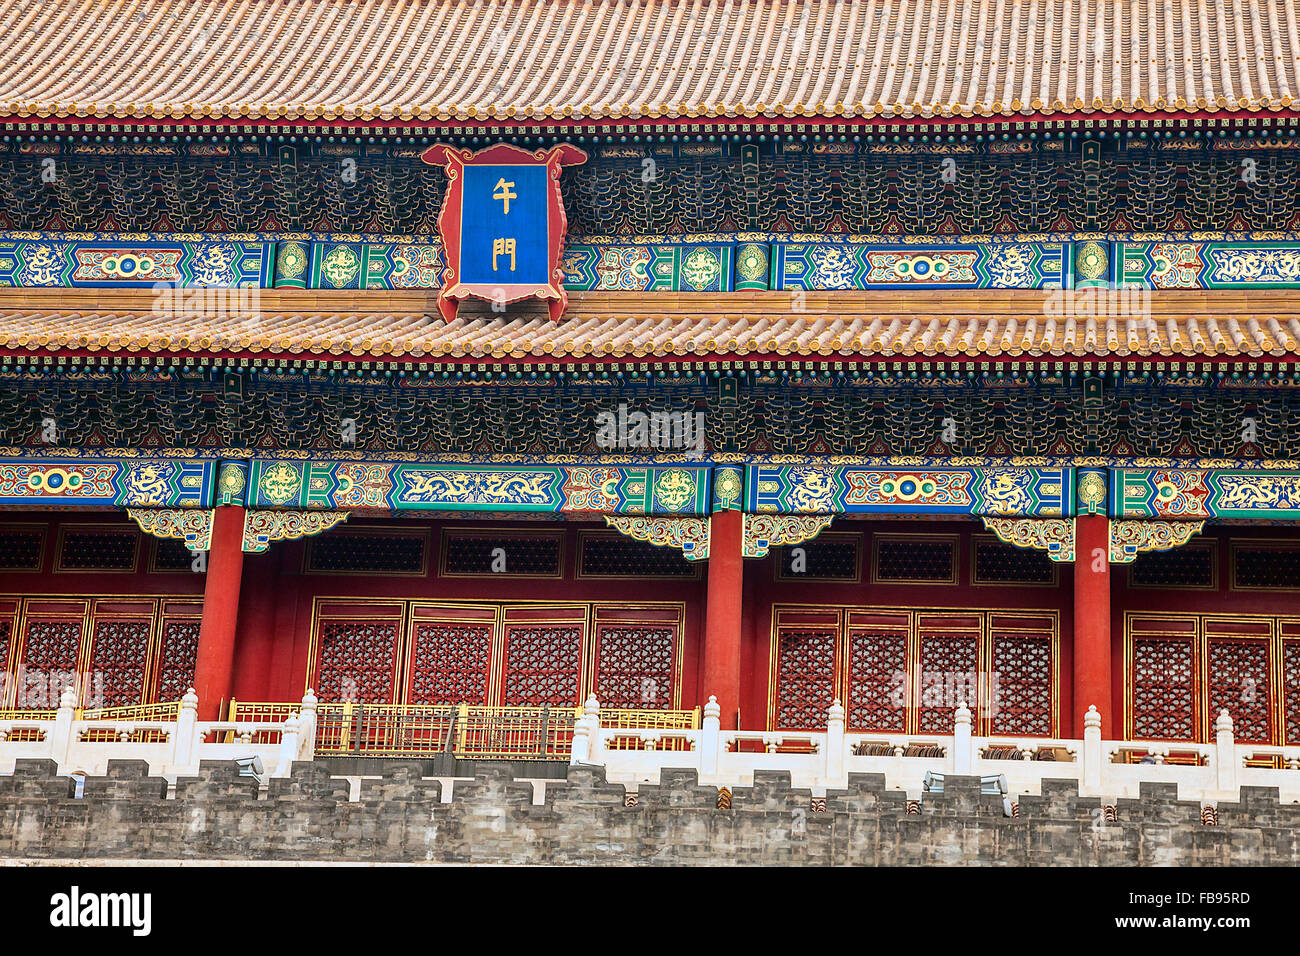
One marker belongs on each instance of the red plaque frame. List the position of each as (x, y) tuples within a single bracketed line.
[(453, 160)]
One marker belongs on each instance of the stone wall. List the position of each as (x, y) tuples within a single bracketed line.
[(493, 819)]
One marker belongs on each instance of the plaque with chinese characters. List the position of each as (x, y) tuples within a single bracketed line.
[(503, 225)]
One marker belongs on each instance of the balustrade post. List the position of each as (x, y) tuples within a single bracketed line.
[(185, 743), (1091, 755), (581, 752), (61, 739), (307, 726), (961, 741), (835, 742), (1225, 752), (288, 746), (591, 714), (709, 742)]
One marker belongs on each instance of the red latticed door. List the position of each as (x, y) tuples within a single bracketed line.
[(1290, 633), (805, 661), (451, 654), (121, 632), (356, 648), (542, 655), (49, 653), (8, 628), (877, 670), (637, 657), (1163, 663), (949, 673), (1020, 688), (178, 646), (1239, 677)]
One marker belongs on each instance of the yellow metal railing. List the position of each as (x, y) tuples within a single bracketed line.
[(465, 730), (28, 714), (166, 710)]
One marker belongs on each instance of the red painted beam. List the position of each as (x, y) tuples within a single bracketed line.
[(1092, 651), (722, 617), (214, 668)]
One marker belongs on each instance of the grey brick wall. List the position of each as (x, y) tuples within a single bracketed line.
[(492, 819)]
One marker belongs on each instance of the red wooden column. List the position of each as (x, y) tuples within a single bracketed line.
[(722, 616), (214, 668), (1092, 684)]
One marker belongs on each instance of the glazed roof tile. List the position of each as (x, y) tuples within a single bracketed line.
[(660, 326), (574, 60)]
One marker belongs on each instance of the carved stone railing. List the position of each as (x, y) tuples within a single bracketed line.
[(824, 760)]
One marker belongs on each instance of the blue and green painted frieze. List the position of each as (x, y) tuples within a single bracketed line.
[(403, 486), (713, 262), (846, 489), (1175, 493), (1175, 264), (134, 261), (96, 482)]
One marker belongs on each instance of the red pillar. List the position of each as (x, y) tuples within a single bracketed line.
[(722, 616), (214, 669), (1092, 684)]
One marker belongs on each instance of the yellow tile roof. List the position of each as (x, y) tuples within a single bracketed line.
[(660, 326), (551, 60)]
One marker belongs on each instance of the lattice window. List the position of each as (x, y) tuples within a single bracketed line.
[(915, 559), (6, 638), (366, 553), (1291, 684), (49, 661), (1239, 681), (877, 681), (20, 548), (1163, 704), (949, 674), (827, 558), (1191, 566), (999, 563), (542, 664), (118, 654), (449, 662), (356, 661), (521, 555), (170, 554), (98, 551), (635, 666), (805, 677), (179, 653), (616, 556), (1020, 686), (1265, 568)]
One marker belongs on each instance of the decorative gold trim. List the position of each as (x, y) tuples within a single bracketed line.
[(191, 525), (855, 538), (689, 535), (886, 537), (587, 536), (1263, 544), (915, 615), (6, 562), (263, 527), (976, 581), (408, 615), (106, 527), (763, 532), (1127, 538), (1210, 546), (1053, 535), (549, 534), (379, 531)]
